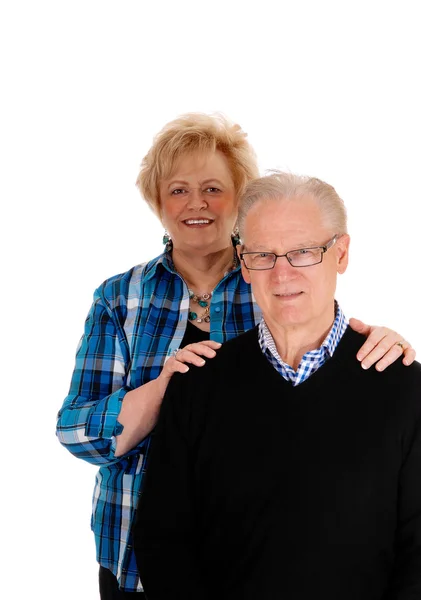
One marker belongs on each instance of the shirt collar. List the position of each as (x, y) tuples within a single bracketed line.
[(162, 261), (339, 325), (165, 261), (328, 345)]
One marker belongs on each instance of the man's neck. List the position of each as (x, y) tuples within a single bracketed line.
[(293, 341)]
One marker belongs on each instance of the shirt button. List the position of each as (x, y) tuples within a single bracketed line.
[(218, 309)]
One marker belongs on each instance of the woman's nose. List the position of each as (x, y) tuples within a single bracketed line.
[(196, 198)]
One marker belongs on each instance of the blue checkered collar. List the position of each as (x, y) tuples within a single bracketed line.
[(327, 347)]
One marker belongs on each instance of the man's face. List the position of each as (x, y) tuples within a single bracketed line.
[(293, 296)]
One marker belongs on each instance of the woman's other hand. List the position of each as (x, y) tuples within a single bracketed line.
[(383, 346)]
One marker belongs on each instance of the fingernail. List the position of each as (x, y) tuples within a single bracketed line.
[(364, 366), (202, 362), (359, 357)]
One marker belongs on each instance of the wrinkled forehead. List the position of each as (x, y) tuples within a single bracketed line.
[(289, 220)]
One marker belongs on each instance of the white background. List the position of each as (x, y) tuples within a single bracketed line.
[(323, 88)]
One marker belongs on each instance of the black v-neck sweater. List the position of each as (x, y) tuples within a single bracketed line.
[(258, 490)]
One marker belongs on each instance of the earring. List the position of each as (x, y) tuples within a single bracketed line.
[(166, 239), (235, 236)]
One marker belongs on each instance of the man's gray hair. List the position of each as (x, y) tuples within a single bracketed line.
[(279, 185)]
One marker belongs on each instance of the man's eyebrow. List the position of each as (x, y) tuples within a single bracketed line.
[(307, 244), (257, 248)]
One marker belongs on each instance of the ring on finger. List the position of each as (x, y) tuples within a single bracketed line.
[(174, 352), (401, 345)]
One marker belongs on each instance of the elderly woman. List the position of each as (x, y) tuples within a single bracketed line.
[(157, 318)]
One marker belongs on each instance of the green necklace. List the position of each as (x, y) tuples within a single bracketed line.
[(203, 301)]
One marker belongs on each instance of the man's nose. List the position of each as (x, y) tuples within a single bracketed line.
[(282, 267)]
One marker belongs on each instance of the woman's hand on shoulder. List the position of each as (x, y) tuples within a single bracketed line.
[(383, 346), (193, 354)]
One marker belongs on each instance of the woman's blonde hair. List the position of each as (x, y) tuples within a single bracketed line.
[(196, 133), (279, 185)]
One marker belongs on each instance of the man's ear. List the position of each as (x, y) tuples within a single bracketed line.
[(342, 252)]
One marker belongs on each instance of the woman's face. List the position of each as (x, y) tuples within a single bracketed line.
[(198, 203)]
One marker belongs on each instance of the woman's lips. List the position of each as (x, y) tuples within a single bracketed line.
[(197, 222)]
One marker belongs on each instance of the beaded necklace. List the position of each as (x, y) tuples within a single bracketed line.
[(203, 300)]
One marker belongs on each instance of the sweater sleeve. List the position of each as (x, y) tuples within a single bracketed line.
[(406, 580), (164, 532)]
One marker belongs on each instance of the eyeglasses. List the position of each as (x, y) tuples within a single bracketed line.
[(304, 257)]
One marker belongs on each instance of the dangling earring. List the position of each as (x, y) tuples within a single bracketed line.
[(235, 236), (166, 240)]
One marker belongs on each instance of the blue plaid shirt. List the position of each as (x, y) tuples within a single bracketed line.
[(312, 360), (135, 322)]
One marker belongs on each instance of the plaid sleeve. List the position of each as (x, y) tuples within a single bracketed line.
[(87, 421)]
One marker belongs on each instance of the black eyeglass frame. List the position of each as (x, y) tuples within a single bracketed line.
[(323, 249)]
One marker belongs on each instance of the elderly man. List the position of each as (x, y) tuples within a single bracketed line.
[(281, 469)]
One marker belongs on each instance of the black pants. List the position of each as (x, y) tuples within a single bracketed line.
[(108, 588)]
